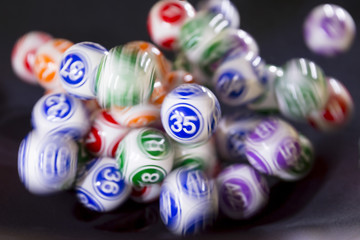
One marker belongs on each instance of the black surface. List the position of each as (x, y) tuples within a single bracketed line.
[(325, 205)]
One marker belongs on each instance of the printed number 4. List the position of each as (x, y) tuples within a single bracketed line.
[(183, 123)]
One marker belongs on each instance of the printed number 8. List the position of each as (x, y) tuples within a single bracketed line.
[(152, 178)]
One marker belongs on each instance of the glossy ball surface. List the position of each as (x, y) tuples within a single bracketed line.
[(243, 192), (47, 165), (47, 63), (165, 20), (78, 69), (329, 30), (190, 114), (300, 89), (23, 54), (273, 146), (60, 113), (100, 186), (188, 201), (145, 156), (105, 135)]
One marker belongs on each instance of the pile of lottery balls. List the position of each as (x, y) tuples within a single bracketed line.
[(128, 123)]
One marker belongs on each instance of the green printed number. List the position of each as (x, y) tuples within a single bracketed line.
[(149, 175)]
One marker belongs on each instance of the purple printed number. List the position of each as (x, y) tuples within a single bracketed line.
[(288, 153), (257, 161), (236, 195), (333, 27), (264, 130)]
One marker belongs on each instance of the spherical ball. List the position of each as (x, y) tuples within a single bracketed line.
[(47, 164), (190, 113), (165, 19), (105, 135), (100, 186), (304, 164), (78, 69), (337, 111), (47, 63), (273, 146), (145, 156), (238, 80), (23, 54), (60, 113), (300, 89), (243, 192), (329, 30), (188, 201), (231, 133), (224, 7), (125, 76)]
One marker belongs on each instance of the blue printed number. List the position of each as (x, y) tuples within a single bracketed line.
[(194, 183), (189, 90), (57, 107), (87, 200), (169, 209), (72, 69), (231, 84), (184, 122), (109, 182)]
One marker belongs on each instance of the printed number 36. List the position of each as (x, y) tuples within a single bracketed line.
[(183, 123)]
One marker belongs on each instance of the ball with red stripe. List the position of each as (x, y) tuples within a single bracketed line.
[(105, 135), (165, 20)]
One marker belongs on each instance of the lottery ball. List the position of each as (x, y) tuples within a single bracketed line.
[(243, 192), (337, 111), (231, 133), (224, 7), (60, 113), (201, 155), (47, 63), (145, 156), (136, 116), (105, 135), (267, 102), (100, 186), (188, 201), (23, 54), (300, 89), (47, 165), (238, 80), (146, 194), (78, 67), (273, 146), (165, 20), (197, 32), (227, 44), (190, 114), (329, 30), (304, 164), (125, 77)]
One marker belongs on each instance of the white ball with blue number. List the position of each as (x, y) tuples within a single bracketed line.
[(60, 113), (47, 165), (100, 186), (78, 69), (190, 113), (188, 201)]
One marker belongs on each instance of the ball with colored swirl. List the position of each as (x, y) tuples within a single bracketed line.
[(145, 156), (165, 20), (243, 192), (190, 113), (329, 30), (273, 146), (78, 69), (100, 186), (125, 76), (188, 201), (47, 164), (47, 63), (23, 54), (60, 113), (300, 89)]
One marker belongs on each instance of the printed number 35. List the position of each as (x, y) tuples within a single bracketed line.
[(183, 123)]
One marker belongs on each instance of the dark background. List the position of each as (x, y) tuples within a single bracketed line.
[(325, 205)]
